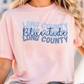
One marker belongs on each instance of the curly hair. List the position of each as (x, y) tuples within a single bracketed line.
[(71, 6)]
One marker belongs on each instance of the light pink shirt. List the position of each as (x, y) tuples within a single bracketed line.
[(40, 42)]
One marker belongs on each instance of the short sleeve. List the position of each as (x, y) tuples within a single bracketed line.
[(77, 40), (5, 47)]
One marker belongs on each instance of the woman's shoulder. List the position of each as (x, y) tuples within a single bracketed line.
[(62, 11), (12, 12), (8, 12)]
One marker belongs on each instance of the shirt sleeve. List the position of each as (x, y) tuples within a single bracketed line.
[(5, 47), (77, 40)]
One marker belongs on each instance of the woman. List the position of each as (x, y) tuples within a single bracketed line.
[(37, 38)]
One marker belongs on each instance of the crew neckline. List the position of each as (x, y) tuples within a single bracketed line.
[(33, 8)]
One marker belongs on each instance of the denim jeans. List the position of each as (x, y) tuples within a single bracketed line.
[(55, 83), (16, 82)]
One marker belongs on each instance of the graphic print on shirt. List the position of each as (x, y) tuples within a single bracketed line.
[(51, 33)]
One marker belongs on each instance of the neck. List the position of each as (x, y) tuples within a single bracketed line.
[(40, 3)]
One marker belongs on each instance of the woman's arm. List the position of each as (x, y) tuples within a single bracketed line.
[(5, 67), (81, 50)]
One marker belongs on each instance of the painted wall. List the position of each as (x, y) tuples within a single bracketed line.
[(4, 6)]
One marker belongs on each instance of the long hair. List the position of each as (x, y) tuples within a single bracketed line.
[(71, 6)]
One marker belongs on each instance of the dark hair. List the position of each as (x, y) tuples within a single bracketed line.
[(28, 1)]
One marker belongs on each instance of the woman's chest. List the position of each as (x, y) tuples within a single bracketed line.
[(43, 31)]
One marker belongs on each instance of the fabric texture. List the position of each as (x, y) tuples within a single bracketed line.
[(40, 42)]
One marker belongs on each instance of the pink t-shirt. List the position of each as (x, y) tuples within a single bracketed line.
[(40, 42)]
